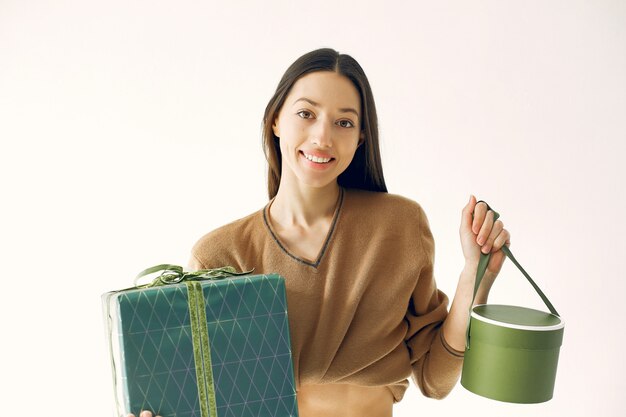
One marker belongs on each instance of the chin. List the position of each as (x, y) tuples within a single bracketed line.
[(318, 183)]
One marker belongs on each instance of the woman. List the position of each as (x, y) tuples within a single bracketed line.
[(364, 309)]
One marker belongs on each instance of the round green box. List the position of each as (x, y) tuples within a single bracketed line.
[(512, 353)]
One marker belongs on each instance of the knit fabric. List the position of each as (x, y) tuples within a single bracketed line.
[(367, 311)]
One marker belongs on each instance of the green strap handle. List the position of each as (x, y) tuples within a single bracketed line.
[(482, 268)]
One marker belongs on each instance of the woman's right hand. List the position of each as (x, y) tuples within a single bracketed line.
[(144, 413)]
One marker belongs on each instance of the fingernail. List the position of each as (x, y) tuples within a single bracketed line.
[(145, 413)]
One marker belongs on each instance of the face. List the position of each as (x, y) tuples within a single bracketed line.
[(318, 128)]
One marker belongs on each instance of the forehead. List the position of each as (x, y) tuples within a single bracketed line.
[(326, 88)]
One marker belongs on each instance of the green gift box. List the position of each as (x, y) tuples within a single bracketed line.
[(212, 343)]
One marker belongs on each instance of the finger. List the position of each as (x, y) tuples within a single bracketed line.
[(498, 226), (466, 217), (480, 212), (145, 413), (485, 229), (504, 238)]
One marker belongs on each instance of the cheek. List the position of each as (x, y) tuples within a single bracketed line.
[(288, 146), (292, 134), (349, 146)]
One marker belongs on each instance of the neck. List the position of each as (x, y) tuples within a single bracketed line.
[(302, 205)]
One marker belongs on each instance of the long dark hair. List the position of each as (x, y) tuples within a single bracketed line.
[(365, 171)]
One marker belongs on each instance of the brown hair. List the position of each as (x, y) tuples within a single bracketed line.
[(365, 171)]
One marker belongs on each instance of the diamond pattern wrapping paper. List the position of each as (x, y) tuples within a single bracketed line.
[(160, 364)]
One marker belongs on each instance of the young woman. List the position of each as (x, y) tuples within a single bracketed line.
[(364, 309)]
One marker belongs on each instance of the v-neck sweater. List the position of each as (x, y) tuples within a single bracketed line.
[(367, 311)]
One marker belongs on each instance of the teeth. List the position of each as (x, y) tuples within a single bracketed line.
[(316, 159)]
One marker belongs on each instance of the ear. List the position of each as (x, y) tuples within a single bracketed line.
[(361, 139), (275, 127)]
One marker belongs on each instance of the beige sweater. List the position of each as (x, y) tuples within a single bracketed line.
[(367, 311)]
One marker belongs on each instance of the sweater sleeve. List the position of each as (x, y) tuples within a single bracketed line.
[(435, 365), (194, 263)]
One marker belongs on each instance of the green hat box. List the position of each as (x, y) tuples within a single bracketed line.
[(511, 352)]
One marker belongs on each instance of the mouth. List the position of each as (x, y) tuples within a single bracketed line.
[(317, 159)]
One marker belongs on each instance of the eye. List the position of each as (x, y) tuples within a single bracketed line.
[(346, 121), (305, 112)]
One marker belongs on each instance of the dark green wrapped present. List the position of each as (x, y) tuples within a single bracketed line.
[(211, 343)]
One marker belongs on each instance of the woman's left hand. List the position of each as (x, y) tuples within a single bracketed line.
[(482, 234)]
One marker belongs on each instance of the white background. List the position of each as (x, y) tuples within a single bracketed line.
[(130, 128)]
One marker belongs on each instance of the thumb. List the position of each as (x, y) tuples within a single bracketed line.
[(467, 217)]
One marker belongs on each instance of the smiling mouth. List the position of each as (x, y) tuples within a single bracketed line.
[(316, 159)]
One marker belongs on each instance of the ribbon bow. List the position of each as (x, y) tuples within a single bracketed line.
[(174, 274)]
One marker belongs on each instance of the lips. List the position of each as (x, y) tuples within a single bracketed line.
[(317, 157)]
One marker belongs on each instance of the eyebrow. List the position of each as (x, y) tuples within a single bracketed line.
[(344, 109)]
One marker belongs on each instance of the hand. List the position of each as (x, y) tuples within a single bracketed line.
[(482, 234), (144, 413)]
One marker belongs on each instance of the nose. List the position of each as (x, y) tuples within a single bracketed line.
[(321, 134)]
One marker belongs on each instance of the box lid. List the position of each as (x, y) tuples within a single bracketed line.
[(516, 317)]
